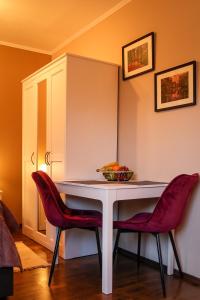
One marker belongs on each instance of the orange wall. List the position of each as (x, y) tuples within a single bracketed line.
[(15, 64), (156, 145)]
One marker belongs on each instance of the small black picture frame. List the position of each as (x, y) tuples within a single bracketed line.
[(138, 56), (175, 87)]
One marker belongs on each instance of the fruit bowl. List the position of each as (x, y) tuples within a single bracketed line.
[(118, 175), (116, 172)]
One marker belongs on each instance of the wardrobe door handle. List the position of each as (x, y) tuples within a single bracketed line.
[(32, 158), (49, 162), (47, 159)]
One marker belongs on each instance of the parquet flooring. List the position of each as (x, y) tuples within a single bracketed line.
[(79, 279)]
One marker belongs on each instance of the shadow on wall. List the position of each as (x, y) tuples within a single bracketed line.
[(127, 124)]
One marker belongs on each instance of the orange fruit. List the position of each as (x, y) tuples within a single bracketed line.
[(116, 168)]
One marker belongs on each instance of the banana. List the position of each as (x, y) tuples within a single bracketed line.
[(114, 163), (108, 166)]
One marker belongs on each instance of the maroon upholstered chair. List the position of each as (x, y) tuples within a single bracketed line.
[(62, 217), (166, 216)]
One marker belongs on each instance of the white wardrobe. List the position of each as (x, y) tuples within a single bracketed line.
[(69, 130)]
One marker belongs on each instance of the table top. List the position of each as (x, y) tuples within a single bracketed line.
[(100, 184)]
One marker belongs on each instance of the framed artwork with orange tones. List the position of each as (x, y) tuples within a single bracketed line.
[(138, 56), (175, 87)]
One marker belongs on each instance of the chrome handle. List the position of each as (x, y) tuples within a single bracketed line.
[(32, 158)]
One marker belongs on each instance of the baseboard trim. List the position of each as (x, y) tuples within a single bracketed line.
[(154, 264), (143, 259)]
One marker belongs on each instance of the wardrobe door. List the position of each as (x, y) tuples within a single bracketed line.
[(56, 121), (29, 157)]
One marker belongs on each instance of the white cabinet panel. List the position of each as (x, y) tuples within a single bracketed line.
[(92, 116), (29, 156)]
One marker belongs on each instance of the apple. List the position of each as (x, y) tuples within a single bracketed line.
[(123, 168)]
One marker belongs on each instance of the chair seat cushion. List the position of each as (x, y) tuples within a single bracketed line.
[(140, 218), (135, 221), (78, 218), (140, 222)]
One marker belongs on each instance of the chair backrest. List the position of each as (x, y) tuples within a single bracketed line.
[(54, 190), (54, 207), (169, 210)]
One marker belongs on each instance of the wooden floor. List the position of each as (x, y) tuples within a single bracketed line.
[(80, 279)]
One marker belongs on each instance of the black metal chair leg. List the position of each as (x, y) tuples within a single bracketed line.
[(138, 251), (162, 276), (116, 245), (175, 253), (54, 255), (99, 248)]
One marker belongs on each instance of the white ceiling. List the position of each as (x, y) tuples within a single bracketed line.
[(46, 25)]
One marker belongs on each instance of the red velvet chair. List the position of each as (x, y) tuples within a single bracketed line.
[(166, 216), (62, 217)]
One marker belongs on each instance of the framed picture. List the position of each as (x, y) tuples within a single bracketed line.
[(175, 87), (138, 56)]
